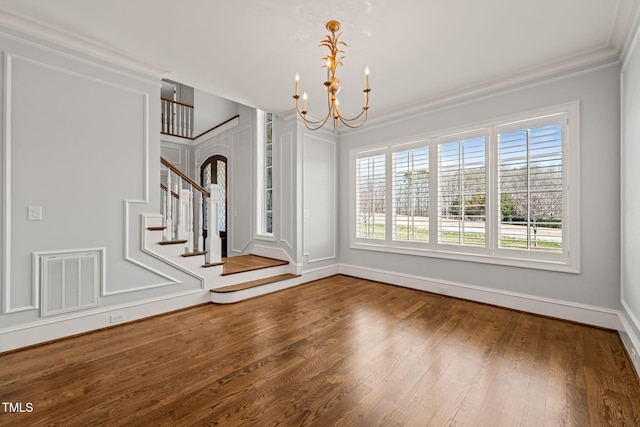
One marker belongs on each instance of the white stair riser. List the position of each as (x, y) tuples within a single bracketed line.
[(231, 297)]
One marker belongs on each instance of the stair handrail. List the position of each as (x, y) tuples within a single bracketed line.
[(173, 193), (187, 226), (176, 102), (178, 172)]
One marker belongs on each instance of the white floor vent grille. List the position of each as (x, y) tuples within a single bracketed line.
[(69, 281)]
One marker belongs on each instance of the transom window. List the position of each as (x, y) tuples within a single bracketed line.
[(502, 192)]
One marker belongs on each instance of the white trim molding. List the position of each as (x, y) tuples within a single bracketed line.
[(62, 326), (629, 337), (575, 312), (5, 262)]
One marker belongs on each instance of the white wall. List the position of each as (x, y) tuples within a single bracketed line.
[(81, 140), (630, 176), (180, 155), (598, 283), (210, 110)]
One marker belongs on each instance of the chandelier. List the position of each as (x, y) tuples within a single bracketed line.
[(333, 87)]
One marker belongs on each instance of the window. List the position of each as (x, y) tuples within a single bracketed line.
[(530, 188), (410, 192), (502, 192), (370, 197), (462, 192), (265, 174)]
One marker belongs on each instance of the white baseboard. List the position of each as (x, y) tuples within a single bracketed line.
[(63, 326), (590, 315), (49, 329), (629, 336)]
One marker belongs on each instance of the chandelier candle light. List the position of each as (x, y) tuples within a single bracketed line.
[(333, 87)]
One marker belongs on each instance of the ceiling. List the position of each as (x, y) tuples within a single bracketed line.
[(418, 51)]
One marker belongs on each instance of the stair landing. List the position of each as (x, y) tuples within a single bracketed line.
[(243, 263), (270, 278)]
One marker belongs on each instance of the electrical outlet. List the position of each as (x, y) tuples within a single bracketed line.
[(117, 318), (634, 356)]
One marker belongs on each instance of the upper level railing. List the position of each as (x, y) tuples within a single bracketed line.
[(188, 209), (177, 118)]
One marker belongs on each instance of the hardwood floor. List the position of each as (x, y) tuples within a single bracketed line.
[(242, 263), (338, 351)]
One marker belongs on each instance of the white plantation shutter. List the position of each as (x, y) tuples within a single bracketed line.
[(410, 195), (503, 192), (462, 192), (530, 188), (370, 197)]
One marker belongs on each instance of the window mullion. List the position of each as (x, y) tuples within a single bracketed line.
[(433, 193), (388, 198), (528, 145), (492, 204)]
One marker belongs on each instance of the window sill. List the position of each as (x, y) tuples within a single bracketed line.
[(562, 264), (266, 237)]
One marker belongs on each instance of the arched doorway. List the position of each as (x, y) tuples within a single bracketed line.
[(214, 171)]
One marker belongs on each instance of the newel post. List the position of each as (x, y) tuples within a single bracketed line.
[(213, 243)]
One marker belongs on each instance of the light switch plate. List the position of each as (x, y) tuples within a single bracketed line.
[(34, 213)]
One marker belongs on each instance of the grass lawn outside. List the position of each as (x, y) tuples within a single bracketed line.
[(515, 240)]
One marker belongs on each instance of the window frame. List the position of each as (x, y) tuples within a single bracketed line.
[(566, 261), (261, 168), (353, 224)]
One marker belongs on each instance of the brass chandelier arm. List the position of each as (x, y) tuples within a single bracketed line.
[(347, 121), (303, 114), (307, 122)]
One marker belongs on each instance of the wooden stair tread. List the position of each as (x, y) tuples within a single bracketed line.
[(254, 283), (156, 228), (172, 242), (196, 253)]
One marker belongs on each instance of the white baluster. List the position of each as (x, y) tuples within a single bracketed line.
[(178, 119), (200, 223), (183, 109), (165, 117), (173, 119), (214, 244), (189, 127), (163, 209), (190, 238), (168, 226), (180, 211)]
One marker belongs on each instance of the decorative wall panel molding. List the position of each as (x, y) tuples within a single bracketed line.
[(287, 189), (320, 198)]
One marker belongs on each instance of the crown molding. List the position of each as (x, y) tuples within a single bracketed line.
[(40, 33), (583, 63)]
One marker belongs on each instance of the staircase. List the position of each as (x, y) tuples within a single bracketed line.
[(175, 236)]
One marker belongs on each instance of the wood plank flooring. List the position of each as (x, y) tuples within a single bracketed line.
[(339, 351), (242, 263)]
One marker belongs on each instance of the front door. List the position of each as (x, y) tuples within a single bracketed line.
[(214, 171)]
